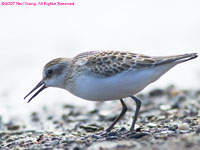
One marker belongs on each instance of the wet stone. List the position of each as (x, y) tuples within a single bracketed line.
[(92, 128), (13, 127), (173, 127), (49, 117), (161, 117), (112, 134), (198, 130), (96, 136), (68, 106), (188, 121), (94, 111), (35, 117), (156, 92), (183, 127), (138, 129), (138, 135), (9, 140), (54, 142), (165, 107), (122, 129), (111, 138), (167, 132), (152, 125), (3, 134)]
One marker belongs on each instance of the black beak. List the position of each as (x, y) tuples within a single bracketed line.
[(40, 84)]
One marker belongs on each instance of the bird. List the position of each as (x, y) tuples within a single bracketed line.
[(107, 75)]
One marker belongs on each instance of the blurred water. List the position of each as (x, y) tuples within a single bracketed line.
[(31, 36)]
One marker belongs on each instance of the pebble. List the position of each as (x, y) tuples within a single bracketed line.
[(198, 130), (111, 137), (96, 136), (187, 121), (55, 142), (122, 129), (167, 132), (13, 127), (92, 128), (173, 127), (184, 127), (35, 117), (165, 107), (156, 92), (161, 118), (175, 92), (138, 135), (112, 134), (151, 125), (68, 106), (164, 134)]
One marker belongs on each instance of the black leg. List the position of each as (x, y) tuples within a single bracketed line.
[(138, 105), (124, 109)]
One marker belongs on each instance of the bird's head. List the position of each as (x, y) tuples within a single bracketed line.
[(54, 75)]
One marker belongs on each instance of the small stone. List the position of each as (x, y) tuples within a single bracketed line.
[(175, 92), (198, 130), (49, 117), (112, 134), (169, 132), (188, 121), (68, 106), (151, 125), (138, 129), (161, 118), (35, 117), (138, 135), (55, 142), (136, 126), (156, 92), (13, 127), (122, 129), (96, 136), (105, 113), (93, 111), (9, 140), (165, 107), (173, 127), (92, 128), (41, 138), (111, 137), (184, 127), (76, 148)]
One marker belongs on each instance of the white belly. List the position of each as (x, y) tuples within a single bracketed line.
[(116, 87)]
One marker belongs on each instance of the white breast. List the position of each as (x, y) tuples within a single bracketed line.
[(116, 87)]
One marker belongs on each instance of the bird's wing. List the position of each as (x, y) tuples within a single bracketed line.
[(110, 63)]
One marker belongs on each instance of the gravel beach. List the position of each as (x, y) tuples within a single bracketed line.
[(169, 119)]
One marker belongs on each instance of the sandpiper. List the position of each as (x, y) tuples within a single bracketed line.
[(107, 75)]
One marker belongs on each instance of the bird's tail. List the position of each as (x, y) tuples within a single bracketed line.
[(185, 57), (175, 59)]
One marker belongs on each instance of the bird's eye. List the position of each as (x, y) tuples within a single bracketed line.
[(49, 72)]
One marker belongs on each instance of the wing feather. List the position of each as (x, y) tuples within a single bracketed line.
[(110, 63)]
